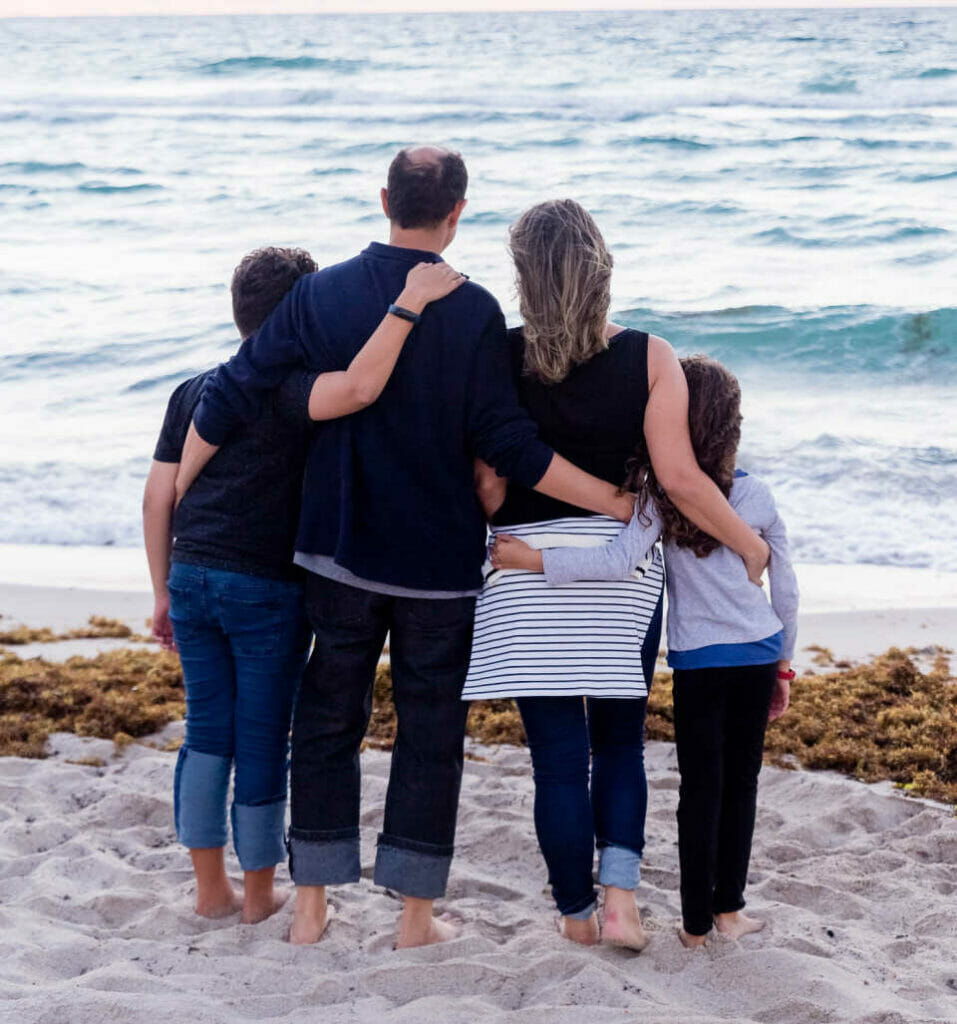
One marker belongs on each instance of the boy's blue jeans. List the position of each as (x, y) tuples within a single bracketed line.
[(242, 642)]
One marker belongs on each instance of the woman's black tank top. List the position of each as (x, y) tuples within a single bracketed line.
[(594, 417)]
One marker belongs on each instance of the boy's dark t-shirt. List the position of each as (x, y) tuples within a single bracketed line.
[(242, 513)]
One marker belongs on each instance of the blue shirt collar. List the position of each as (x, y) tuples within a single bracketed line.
[(398, 252)]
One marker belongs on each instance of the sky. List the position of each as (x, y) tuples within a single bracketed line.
[(60, 8)]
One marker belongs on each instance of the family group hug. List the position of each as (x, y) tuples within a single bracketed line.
[(383, 461)]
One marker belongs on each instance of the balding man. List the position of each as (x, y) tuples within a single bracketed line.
[(393, 539)]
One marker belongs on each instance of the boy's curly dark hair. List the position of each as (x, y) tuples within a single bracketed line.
[(262, 278), (714, 418)]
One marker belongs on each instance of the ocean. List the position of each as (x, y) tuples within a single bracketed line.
[(779, 189)]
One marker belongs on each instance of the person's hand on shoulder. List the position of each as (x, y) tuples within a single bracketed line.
[(427, 282)]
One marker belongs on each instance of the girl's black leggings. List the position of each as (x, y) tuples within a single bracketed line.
[(720, 718)]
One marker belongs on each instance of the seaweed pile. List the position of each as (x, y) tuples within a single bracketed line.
[(97, 628), (885, 719)]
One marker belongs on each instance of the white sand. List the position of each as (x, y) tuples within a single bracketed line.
[(858, 885)]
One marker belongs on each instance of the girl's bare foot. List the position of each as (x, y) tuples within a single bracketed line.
[(417, 926), (622, 925), (737, 924), (585, 933), (690, 941), (310, 915)]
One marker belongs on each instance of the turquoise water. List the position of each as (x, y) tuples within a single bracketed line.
[(779, 189)]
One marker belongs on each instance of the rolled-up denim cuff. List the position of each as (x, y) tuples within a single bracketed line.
[(412, 868), (317, 859), (583, 915), (619, 866), (199, 798), (258, 834)]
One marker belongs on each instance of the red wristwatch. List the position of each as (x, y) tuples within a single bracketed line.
[(787, 677)]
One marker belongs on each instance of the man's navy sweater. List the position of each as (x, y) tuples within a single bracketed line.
[(388, 491)]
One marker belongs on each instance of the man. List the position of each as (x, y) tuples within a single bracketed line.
[(393, 538)]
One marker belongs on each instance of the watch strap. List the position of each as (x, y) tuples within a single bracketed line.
[(404, 314)]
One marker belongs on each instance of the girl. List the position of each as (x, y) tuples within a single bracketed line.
[(729, 648)]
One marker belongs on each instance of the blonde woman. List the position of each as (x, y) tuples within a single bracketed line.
[(579, 658)]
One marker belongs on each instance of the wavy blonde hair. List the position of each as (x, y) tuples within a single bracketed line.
[(564, 287)]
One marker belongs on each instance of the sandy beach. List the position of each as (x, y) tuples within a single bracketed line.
[(858, 882)]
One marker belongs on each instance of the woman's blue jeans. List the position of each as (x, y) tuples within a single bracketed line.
[(575, 741), (242, 642)]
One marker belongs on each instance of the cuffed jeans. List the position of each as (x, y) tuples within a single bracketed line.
[(430, 643), (567, 736), (720, 718), (242, 643)]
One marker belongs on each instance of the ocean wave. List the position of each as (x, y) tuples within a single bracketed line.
[(40, 167), (902, 233), (830, 85), (833, 340), (244, 65), (105, 188), (938, 73)]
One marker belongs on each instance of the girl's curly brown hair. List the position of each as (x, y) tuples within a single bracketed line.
[(714, 418)]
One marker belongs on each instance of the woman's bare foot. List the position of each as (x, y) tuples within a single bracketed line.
[(585, 933), (221, 902), (622, 925), (417, 926), (690, 941), (737, 924), (310, 915)]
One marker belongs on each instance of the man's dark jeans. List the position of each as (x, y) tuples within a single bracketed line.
[(430, 644)]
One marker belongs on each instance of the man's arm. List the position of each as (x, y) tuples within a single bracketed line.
[(158, 500), (505, 436), (233, 393), (694, 493)]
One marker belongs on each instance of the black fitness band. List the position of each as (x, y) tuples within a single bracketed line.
[(404, 314)]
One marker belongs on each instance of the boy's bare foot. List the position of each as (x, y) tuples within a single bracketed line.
[(737, 924), (622, 925), (585, 933), (310, 915), (260, 900), (690, 941), (256, 910), (417, 926), (219, 902)]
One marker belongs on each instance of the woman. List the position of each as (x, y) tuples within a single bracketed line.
[(595, 389)]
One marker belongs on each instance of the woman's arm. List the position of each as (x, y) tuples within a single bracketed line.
[(158, 501), (694, 493), (490, 488), (347, 391)]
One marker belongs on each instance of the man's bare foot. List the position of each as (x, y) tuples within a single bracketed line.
[(585, 933), (310, 915), (417, 926), (219, 902), (256, 910), (690, 941), (436, 931), (733, 926), (622, 925)]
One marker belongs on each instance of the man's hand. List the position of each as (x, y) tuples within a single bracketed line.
[(162, 629), (196, 453), (512, 553)]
